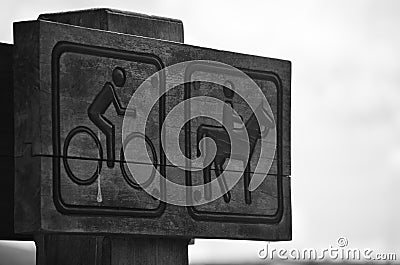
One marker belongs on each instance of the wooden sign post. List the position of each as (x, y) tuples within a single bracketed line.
[(74, 76)]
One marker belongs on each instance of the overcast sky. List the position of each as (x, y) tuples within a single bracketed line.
[(345, 105)]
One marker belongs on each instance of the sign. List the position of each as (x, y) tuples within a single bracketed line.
[(78, 113)]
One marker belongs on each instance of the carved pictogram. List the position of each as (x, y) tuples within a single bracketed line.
[(106, 97), (220, 135)]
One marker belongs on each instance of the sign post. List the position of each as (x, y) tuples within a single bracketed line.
[(114, 163)]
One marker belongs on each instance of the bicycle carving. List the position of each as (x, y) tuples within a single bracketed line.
[(102, 101)]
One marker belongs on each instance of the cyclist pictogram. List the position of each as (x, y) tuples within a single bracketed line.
[(106, 97)]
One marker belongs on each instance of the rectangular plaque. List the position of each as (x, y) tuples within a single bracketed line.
[(72, 89)]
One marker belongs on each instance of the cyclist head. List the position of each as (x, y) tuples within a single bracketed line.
[(228, 89), (119, 76)]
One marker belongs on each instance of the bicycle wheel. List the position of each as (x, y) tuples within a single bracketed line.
[(128, 179), (70, 136)]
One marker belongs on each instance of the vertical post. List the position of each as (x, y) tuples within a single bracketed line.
[(60, 249), (109, 250), (147, 251)]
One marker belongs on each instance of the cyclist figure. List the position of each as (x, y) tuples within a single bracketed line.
[(99, 106)]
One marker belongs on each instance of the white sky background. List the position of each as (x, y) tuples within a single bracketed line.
[(345, 105)]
